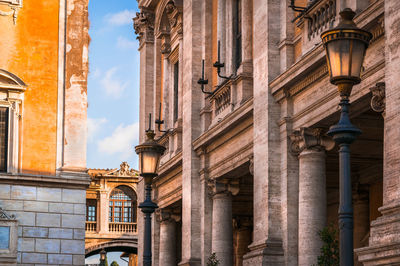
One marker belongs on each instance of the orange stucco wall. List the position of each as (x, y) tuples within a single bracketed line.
[(29, 49)]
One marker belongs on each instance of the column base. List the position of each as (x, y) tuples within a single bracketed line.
[(267, 253), (384, 240), (190, 262)]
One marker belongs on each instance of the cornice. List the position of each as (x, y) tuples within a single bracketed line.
[(313, 60), (45, 181), (169, 165)]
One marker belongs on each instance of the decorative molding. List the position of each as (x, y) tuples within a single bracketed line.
[(143, 24), (251, 166), (174, 17), (14, 5), (378, 97), (379, 29), (6, 216), (310, 138), (321, 72)]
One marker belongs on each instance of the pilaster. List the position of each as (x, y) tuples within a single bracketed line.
[(191, 106), (384, 240), (266, 248)]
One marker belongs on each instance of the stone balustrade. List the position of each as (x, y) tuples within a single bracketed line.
[(122, 227), (321, 18), (91, 226)]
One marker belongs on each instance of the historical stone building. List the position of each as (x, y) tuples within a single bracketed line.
[(111, 212), (43, 102), (249, 173)]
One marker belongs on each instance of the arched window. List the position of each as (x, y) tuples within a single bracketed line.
[(122, 205)]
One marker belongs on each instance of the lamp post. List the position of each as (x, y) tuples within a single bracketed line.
[(345, 48), (103, 257), (149, 158)]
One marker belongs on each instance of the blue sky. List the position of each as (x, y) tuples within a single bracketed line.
[(113, 84), (113, 89)]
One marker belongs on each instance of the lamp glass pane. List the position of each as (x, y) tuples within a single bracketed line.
[(149, 162), (339, 58), (357, 58)]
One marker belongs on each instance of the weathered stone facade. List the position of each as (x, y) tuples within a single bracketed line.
[(249, 171), (43, 74)]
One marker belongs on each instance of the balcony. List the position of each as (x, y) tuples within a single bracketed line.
[(91, 226), (122, 227), (229, 96)]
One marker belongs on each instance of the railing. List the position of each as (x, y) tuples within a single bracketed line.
[(321, 18), (222, 99), (122, 227), (91, 226)]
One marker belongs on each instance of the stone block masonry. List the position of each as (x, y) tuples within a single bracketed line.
[(51, 223)]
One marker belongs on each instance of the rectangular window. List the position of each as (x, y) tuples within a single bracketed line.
[(176, 88), (3, 138), (237, 33), (91, 210)]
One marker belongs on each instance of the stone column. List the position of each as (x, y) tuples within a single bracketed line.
[(103, 212), (167, 254), (311, 146), (222, 233)]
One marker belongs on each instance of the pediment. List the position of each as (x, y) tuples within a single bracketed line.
[(10, 81), (123, 171)]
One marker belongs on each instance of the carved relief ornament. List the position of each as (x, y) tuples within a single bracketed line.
[(14, 6), (310, 138), (378, 97), (143, 24), (174, 17)]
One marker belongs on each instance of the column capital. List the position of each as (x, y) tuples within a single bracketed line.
[(223, 186), (167, 215), (310, 138), (143, 24), (378, 102)]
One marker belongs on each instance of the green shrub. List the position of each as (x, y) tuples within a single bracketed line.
[(330, 248), (212, 260)]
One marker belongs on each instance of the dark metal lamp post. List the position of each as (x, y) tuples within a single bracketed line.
[(103, 254), (345, 48), (149, 158)]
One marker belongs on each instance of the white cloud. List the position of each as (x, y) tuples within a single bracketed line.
[(121, 18), (94, 125), (96, 73), (121, 141), (125, 43), (111, 84)]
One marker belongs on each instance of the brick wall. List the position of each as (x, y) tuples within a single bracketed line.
[(51, 223)]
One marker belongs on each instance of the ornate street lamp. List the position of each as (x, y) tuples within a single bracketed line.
[(345, 48), (149, 158), (103, 254)]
